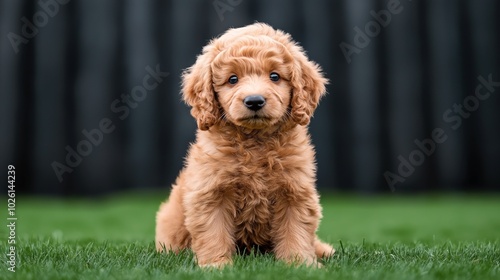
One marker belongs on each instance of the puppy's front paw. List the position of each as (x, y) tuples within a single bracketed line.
[(323, 250), (217, 263), (299, 259), (310, 262)]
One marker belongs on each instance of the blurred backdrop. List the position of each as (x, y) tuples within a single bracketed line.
[(90, 99)]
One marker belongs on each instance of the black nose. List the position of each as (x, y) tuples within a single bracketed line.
[(254, 102)]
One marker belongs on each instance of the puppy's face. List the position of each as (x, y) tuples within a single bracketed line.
[(251, 79), (254, 77)]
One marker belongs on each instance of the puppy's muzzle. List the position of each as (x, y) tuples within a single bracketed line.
[(254, 102)]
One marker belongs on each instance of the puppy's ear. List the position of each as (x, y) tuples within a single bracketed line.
[(308, 86), (198, 92)]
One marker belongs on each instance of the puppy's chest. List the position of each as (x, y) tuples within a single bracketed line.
[(255, 175), (254, 211), (257, 163), (259, 175)]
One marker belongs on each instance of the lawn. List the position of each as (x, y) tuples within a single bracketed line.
[(379, 237)]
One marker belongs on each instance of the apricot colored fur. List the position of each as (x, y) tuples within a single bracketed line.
[(249, 178)]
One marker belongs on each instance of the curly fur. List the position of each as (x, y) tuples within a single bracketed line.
[(249, 179)]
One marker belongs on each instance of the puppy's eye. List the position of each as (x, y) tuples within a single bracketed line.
[(233, 79), (274, 77)]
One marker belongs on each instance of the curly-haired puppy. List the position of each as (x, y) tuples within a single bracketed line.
[(249, 179)]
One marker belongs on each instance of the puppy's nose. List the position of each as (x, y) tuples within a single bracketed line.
[(254, 102)]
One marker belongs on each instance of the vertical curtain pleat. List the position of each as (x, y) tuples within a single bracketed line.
[(49, 98), (404, 104), (364, 115), (446, 89), (485, 27), (103, 169), (141, 53)]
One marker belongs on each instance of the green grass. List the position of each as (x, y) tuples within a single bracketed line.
[(438, 237)]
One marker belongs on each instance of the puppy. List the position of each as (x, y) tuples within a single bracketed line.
[(249, 179)]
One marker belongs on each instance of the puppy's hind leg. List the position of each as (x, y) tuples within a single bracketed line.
[(171, 234)]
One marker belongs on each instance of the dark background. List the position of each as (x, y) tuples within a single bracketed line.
[(394, 90)]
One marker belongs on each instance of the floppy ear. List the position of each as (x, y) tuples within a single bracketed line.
[(308, 86), (198, 92)]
